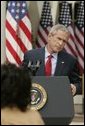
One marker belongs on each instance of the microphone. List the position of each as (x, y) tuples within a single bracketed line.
[(29, 64), (33, 67), (38, 63)]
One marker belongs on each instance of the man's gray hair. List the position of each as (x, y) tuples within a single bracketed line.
[(58, 27)]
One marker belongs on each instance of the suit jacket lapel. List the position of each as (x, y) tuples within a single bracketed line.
[(60, 65), (41, 70)]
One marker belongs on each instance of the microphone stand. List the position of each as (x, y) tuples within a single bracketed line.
[(33, 67)]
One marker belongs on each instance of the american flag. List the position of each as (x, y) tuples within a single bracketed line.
[(45, 24), (18, 31), (79, 35), (65, 18)]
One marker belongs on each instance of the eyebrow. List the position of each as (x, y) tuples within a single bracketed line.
[(61, 39)]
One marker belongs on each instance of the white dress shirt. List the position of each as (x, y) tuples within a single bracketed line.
[(53, 60)]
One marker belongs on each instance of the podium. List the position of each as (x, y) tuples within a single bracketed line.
[(59, 107)]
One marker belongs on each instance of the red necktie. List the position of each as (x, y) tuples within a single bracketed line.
[(48, 66)]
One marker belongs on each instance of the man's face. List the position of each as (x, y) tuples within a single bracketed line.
[(57, 40)]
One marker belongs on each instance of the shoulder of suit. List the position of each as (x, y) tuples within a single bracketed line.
[(67, 55), (35, 50)]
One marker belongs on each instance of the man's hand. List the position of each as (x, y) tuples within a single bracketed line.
[(73, 89)]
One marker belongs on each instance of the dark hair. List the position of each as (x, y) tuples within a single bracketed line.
[(15, 86)]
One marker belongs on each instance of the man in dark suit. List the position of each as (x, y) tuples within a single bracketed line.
[(60, 63)]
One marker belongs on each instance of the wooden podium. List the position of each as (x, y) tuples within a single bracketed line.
[(59, 107)]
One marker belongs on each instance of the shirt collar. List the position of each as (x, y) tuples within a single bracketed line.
[(47, 54)]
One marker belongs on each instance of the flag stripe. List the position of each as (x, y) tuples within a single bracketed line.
[(80, 40), (12, 41), (27, 23), (18, 31), (69, 47), (15, 37), (68, 50), (14, 44), (80, 50), (41, 42), (65, 19), (11, 20), (79, 35), (41, 36), (43, 32), (25, 30), (80, 55), (13, 52), (11, 59), (81, 63), (24, 39), (44, 25)]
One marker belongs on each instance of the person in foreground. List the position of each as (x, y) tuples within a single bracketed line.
[(55, 61), (16, 97)]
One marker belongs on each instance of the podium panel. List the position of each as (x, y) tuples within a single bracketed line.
[(59, 107)]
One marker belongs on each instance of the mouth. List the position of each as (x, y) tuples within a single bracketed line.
[(58, 47)]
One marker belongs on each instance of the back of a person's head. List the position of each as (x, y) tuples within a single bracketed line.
[(15, 87)]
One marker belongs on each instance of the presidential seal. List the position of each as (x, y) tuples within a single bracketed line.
[(38, 96)]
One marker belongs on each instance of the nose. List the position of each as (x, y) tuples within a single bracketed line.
[(61, 42)]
